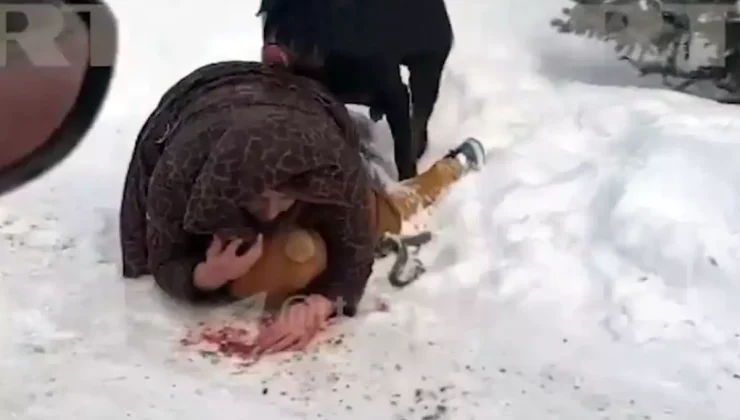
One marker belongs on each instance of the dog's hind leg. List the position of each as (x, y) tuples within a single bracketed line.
[(394, 96), (424, 79)]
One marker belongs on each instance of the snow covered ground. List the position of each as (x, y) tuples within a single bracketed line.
[(590, 271)]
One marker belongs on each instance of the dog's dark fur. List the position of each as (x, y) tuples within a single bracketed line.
[(356, 47)]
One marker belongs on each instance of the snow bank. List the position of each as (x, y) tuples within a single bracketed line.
[(590, 270)]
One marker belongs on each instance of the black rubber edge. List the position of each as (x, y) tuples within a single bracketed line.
[(80, 118)]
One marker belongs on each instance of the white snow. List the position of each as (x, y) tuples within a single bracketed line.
[(590, 271)]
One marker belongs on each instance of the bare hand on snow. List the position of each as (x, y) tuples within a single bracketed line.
[(294, 328)]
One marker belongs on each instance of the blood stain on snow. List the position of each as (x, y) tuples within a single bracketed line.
[(228, 341)]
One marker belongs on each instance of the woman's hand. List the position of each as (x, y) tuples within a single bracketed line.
[(294, 328), (222, 264)]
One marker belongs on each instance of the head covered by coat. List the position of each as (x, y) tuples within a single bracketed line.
[(286, 134)]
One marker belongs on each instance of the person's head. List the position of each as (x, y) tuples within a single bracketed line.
[(270, 205)]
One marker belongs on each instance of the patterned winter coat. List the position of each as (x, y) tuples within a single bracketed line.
[(220, 137)]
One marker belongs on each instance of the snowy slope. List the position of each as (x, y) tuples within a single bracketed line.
[(590, 271)]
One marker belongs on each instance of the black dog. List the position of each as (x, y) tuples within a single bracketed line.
[(356, 48)]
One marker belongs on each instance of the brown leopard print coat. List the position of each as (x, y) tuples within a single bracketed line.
[(221, 136)]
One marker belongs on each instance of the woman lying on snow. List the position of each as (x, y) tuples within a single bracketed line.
[(248, 180)]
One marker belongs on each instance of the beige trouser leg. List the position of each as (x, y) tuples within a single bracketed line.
[(421, 192)]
